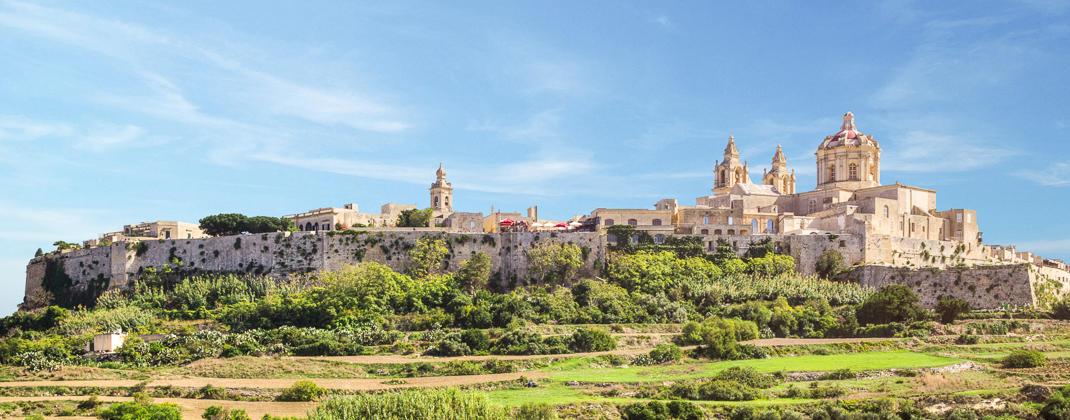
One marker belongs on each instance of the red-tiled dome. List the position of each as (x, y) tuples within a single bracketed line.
[(848, 135)]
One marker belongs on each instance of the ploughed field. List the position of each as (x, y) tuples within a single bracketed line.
[(936, 372)]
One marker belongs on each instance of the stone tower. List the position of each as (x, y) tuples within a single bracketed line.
[(849, 159), (778, 176), (730, 171), (441, 194)]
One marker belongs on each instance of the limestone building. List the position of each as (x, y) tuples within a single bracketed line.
[(160, 229), (893, 221), (348, 216)]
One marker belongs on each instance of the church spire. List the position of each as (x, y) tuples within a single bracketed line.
[(778, 157), (730, 151)]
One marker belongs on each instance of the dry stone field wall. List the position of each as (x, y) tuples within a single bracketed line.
[(88, 272)]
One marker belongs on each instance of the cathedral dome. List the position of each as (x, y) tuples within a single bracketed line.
[(848, 135)]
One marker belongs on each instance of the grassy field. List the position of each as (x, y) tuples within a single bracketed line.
[(811, 363)]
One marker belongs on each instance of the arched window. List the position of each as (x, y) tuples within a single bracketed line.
[(659, 238), (705, 231), (886, 212), (754, 225), (706, 219), (743, 232), (731, 231), (447, 202), (770, 227), (716, 231), (633, 222), (309, 227), (852, 171), (326, 226), (832, 173), (724, 178), (656, 222), (436, 201), (609, 222)]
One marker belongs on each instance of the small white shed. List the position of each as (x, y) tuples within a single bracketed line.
[(107, 342)]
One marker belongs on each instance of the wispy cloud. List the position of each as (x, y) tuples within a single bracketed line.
[(1054, 175), (926, 151), (142, 48), (19, 128), (94, 137)]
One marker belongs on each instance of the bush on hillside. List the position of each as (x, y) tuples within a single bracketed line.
[(415, 404), (718, 337), (1023, 358), (666, 353), (302, 391), (1058, 406), (591, 339), (949, 308), (216, 412), (830, 264), (139, 409), (892, 303), (1061, 309), (658, 410)]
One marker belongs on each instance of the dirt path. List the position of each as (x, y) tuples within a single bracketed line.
[(192, 409), (391, 359), (339, 384), (775, 342)]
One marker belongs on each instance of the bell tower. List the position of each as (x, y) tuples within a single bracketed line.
[(441, 194), (778, 176), (729, 172)]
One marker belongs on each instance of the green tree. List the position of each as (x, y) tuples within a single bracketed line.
[(892, 303), (830, 264), (267, 224), (40, 252), (724, 252), (950, 308), (1023, 358), (554, 263), (66, 246), (474, 273), (223, 224), (414, 218), (427, 257)]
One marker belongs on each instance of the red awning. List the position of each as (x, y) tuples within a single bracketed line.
[(506, 222)]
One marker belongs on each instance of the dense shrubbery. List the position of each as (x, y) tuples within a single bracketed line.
[(233, 224), (302, 391), (346, 311), (421, 404), (140, 409), (216, 412), (659, 410), (892, 303), (1058, 406), (949, 308), (718, 337)]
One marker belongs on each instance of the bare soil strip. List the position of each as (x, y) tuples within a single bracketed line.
[(777, 342), (192, 408), (338, 384)]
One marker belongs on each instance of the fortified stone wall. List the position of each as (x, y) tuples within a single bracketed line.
[(987, 287), (91, 271), (805, 249), (921, 253)]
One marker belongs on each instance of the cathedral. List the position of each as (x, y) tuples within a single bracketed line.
[(848, 199)]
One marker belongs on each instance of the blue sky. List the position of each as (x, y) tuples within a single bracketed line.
[(119, 112)]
